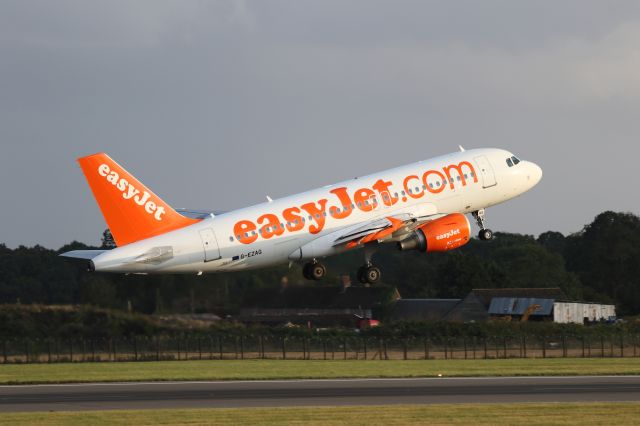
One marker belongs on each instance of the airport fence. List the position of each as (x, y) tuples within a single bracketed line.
[(354, 347)]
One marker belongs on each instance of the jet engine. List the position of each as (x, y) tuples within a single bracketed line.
[(444, 234)]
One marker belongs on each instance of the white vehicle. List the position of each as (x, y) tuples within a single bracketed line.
[(420, 206)]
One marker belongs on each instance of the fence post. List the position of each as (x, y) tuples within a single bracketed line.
[(384, 345), (284, 348), (344, 347), (48, 351), (524, 345), (582, 340), (220, 346), (4, 351), (364, 347), (200, 348), (262, 347), (324, 349), (404, 349), (564, 346), (426, 348), (622, 345), (464, 343), (26, 350), (611, 345), (486, 355), (474, 346), (135, 349), (544, 347), (601, 346), (157, 348), (115, 349), (241, 347)]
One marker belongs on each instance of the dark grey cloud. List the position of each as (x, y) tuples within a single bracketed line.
[(216, 104)]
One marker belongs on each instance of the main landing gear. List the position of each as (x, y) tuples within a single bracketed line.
[(314, 270), (368, 274), (484, 234)]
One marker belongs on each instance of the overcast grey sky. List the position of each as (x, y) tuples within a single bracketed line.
[(214, 104)]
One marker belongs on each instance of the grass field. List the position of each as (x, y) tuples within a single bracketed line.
[(449, 414), (298, 369)]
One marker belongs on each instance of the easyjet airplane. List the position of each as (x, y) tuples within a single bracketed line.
[(421, 206)]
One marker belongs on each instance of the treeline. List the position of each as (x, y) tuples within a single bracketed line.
[(599, 263)]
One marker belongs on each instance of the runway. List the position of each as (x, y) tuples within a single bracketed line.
[(155, 395)]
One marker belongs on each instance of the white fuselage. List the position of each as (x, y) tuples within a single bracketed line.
[(295, 227)]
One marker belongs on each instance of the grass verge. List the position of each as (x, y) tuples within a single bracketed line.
[(298, 369), (445, 414)]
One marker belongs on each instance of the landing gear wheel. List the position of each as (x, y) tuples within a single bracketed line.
[(368, 275), (314, 271), (317, 271), (372, 275), (485, 234)]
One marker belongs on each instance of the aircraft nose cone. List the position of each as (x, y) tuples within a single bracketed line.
[(535, 174)]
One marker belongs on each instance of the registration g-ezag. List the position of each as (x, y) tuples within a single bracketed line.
[(421, 206)]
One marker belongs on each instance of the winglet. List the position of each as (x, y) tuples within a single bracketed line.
[(130, 209)]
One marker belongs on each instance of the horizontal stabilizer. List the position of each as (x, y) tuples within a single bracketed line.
[(83, 254)]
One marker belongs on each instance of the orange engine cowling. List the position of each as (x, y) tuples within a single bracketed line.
[(444, 234)]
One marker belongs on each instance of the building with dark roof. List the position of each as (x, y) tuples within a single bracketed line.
[(423, 309)]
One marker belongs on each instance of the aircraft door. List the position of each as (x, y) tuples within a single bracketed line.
[(486, 171), (210, 245)]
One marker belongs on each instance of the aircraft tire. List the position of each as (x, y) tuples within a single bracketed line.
[(485, 234), (317, 271), (372, 275)]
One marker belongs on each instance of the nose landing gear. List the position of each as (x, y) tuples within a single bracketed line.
[(484, 234)]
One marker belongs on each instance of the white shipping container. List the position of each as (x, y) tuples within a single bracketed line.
[(575, 312)]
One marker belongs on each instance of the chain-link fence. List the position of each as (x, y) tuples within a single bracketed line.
[(317, 348)]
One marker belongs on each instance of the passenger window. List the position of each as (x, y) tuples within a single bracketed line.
[(238, 237), (431, 185), (515, 160), (509, 162), (231, 239), (458, 177), (424, 187)]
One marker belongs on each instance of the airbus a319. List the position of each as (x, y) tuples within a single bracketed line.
[(421, 206)]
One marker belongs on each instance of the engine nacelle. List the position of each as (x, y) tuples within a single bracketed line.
[(444, 234)]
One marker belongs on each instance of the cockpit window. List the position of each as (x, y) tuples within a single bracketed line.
[(515, 159), (509, 162)]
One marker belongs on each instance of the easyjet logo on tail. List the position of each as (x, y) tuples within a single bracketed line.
[(130, 192)]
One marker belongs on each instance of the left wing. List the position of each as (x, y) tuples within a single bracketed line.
[(394, 227)]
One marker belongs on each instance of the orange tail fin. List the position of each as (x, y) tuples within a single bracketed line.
[(130, 209)]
